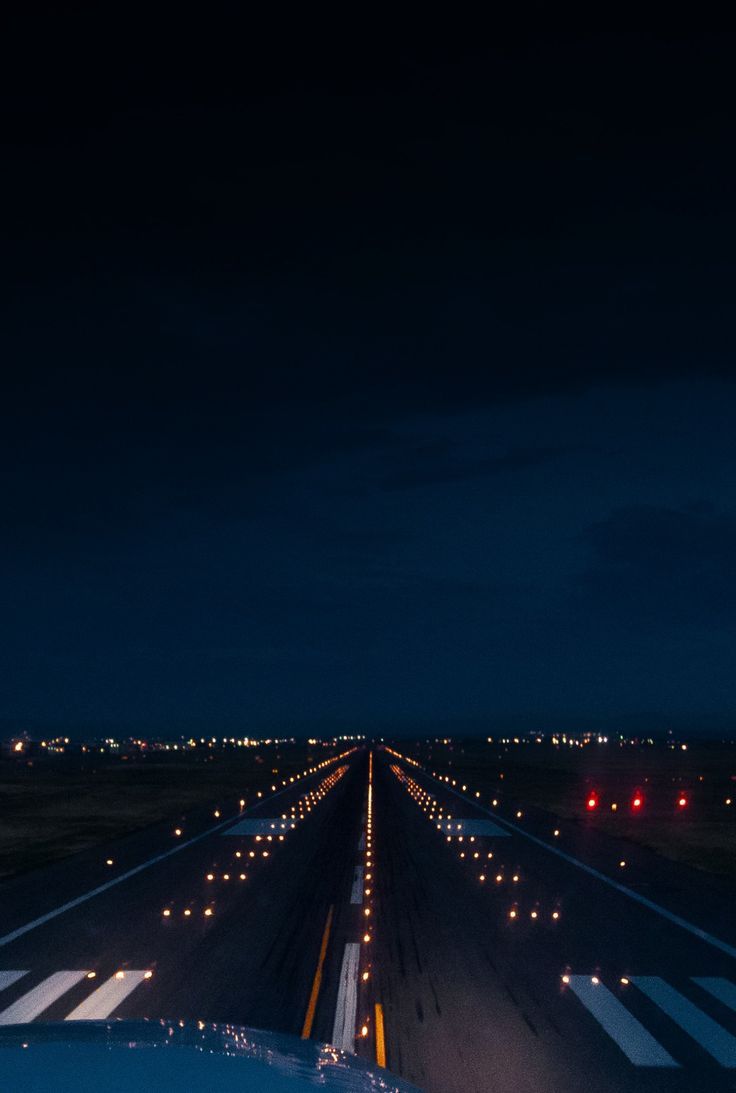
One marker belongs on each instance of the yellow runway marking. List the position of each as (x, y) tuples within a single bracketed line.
[(309, 1019), (380, 1036)]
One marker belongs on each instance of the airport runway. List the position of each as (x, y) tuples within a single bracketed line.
[(349, 907)]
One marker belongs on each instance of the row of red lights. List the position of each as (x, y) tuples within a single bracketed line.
[(637, 801)]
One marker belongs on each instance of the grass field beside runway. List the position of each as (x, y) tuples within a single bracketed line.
[(55, 807), (560, 778)]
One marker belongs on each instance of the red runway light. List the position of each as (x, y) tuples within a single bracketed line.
[(637, 801), (682, 801), (592, 802)]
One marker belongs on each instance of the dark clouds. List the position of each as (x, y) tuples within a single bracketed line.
[(661, 565), (367, 378)]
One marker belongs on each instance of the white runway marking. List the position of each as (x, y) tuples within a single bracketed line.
[(343, 1031), (8, 978), (722, 989), (356, 895), (709, 939), (636, 1043), (40, 998), (107, 997), (361, 843), (703, 1029)]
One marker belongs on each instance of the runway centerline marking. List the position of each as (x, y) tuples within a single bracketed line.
[(40, 998), (714, 1039), (638, 1045), (314, 995), (703, 935), (343, 1030), (72, 903), (356, 893)]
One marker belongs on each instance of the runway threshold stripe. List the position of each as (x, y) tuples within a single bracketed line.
[(637, 1044), (314, 995), (7, 978), (714, 1039), (40, 998), (343, 1030), (722, 989), (102, 1002), (380, 1036), (356, 895)]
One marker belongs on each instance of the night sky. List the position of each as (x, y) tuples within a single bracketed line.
[(362, 379)]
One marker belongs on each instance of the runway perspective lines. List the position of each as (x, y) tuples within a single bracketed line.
[(394, 917)]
